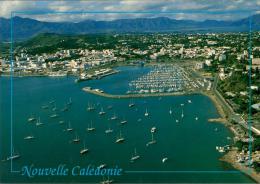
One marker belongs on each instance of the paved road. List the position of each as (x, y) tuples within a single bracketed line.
[(228, 109)]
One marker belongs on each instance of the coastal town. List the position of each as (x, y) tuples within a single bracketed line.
[(219, 65)]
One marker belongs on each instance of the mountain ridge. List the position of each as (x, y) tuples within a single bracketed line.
[(25, 28)]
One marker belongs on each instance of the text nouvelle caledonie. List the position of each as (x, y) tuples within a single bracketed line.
[(62, 170)]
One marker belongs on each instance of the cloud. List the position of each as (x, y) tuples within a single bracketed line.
[(9, 6), (180, 9)]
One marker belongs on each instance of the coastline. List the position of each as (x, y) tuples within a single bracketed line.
[(223, 115), (230, 157)]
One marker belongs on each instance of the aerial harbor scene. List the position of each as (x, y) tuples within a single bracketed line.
[(130, 98)]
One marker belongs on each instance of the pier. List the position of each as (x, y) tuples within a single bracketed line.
[(101, 93), (217, 120)]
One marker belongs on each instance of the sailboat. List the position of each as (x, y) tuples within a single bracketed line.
[(54, 108), (114, 117), (196, 118), (45, 106), (109, 107), (120, 139), (39, 123), (189, 101), (102, 112), (13, 156), (152, 141), (70, 102), (91, 128), (52, 102), (164, 159), (108, 131), (90, 107), (131, 104), (170, 111), (123, 121), (134, 157), (76, 139), (153, 129), (108, 181), (54, 115), (84, 150), (66, 108), (182, 114), (29, 137), (102, 166), (31, 118), (69, 129), (146, 113)]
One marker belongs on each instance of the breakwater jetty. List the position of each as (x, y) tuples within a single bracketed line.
[(138, 95)]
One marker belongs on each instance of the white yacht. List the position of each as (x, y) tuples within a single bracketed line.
[(108, 131), (196, 118), (90, 107), (54, 108), (13, 157), (123, 122), (69, 129), (153, 129), (109, 107), (84, 150), (164, 159), (151, 142), (170, 111), (108, 181), (131, 104), (31, 119), (76, 139), (120, 139), (54, 116), (102, 166), (66, 108), (189, 101), (52, 102), (146, 113), (45, 106), (182, 114), (39, 123), (29, 137), (114, 117), (134, 157), (90, 128), (102, 112), (70, 102)]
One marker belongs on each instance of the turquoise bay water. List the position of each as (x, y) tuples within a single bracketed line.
[(189, 144)]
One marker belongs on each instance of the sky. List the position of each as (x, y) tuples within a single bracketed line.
[(199, 10)]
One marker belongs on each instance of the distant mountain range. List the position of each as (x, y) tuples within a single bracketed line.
[(25, 28)]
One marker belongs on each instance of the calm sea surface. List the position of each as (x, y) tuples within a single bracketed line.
[(188, 144)]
